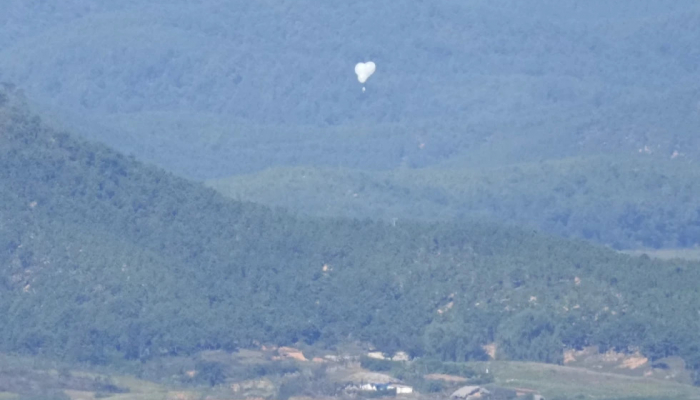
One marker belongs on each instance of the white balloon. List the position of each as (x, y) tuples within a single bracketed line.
[(364, 71)]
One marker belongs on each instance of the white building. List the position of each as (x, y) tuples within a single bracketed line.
[(401, 389), (377, 355), (374, 387)]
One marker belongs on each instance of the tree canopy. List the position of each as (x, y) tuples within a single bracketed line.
[(104, 257)]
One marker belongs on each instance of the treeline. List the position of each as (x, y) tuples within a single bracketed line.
[(103, 258)]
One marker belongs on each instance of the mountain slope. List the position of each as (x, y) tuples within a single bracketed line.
[(104, 257), (625, 203), (211, 88)]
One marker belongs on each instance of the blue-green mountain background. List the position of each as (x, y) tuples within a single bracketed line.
[(216, 89)]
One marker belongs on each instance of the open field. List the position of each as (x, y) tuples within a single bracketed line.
[(557, 381), (552, 381), (37, 378)]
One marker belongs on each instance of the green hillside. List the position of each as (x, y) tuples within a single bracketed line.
[(575, 118), (208, 89), (104, 258), (625, 203)]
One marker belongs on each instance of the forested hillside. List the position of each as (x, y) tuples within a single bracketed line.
[(624, 203), (212, 88), (105, 258), (576, 118)]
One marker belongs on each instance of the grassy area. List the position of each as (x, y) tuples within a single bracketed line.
[(552, 381), (557, 381), (668, 254), (29, 377)]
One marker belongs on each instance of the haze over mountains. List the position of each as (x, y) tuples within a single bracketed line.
[(209, 89)]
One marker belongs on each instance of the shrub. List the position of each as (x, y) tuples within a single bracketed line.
[(376, 365)]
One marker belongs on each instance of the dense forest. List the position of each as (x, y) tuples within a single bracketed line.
[(210, 88), (575, 118), (105, 258), (623, 203)]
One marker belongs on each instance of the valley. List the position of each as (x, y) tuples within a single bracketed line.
[(264, 374)]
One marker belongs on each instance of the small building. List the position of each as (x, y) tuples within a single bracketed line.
[(396, 388), (401, 389), (377, 355), (369, 387)]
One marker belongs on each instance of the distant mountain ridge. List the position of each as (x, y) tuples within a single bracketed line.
[(473, 108), (105, 258), (210, 89)]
